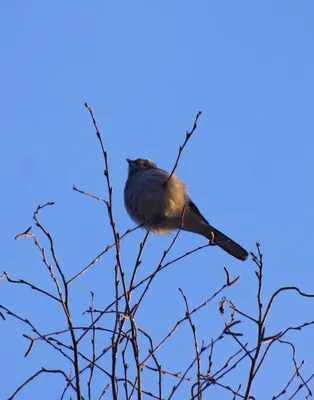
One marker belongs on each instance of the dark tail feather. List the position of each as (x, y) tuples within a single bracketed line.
[(227, 244), (194, 221)]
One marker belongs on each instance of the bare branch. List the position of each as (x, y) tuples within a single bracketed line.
[(23, 234), (187, 137), (197, 352), (43, 370)]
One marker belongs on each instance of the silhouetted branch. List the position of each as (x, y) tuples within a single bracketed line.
[(64, 300), (197, 352), (32, 286), (42, 370), (93, 340), (187, 137)]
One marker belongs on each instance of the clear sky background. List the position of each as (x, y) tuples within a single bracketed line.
[(147, 68)]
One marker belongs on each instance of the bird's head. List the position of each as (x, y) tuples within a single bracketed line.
[(140, 164)]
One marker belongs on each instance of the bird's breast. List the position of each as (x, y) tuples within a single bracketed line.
[(147, 199)]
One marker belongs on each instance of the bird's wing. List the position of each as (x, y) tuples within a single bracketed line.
[(194, 209), (223, 241)]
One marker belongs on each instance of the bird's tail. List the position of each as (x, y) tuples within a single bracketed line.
[(193, 221), (225, 243)]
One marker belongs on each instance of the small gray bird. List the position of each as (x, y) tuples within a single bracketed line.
[(162, 206)]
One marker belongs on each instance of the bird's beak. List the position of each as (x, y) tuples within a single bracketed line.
[(129, 161)]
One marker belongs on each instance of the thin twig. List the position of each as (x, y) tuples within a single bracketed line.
[(197, 353), (42, 370), (64, 300), (260, 325), (31, 285), (187, 137), (93, 340), (99, 256)]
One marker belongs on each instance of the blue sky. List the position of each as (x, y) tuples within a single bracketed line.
[(147, 68)]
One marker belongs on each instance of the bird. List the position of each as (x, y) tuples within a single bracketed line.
[(160, 203)]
